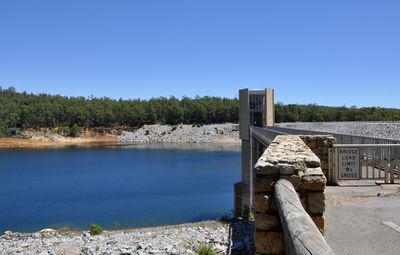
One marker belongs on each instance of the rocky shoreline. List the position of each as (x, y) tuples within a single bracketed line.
[(225, 238), (157, 134), (148, 134), (178, 239)]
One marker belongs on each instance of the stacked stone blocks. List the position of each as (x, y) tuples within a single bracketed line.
[(320, 145), (288, 157)]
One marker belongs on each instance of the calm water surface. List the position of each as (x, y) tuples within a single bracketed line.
[(115, 186)]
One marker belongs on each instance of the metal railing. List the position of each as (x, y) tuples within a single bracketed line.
[(375, 162), (264, 135), (378, 157)]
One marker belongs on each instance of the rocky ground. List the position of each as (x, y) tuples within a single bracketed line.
[(149, 134), (180, 239), (234, 238), (153, 134), (389, 130)]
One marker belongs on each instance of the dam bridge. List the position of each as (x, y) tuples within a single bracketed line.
[(348, 158), (285, 173)]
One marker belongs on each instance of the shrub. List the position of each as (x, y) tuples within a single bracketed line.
[(206, 250), (224, 219), (13, 132), (227, 218), (75, 131), (247, 214), (4, 131), (95, 229), (65, 131), (250, 217)]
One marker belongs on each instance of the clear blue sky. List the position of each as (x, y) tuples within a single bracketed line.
[(331, 52)]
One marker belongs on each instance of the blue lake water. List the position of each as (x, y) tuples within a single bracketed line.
[(115, 186)]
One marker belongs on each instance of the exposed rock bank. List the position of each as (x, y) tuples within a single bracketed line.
[(389, 130), (179, 239), (49, 138), (235, 238), (155, 134)]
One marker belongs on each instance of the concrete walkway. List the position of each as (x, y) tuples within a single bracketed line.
[(363, 219)]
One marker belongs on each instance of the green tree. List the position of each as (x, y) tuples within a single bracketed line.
[(23, 110), (75, 131)]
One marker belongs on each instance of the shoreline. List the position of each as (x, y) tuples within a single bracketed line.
[(12, 143), (233, 237), (170, 239), (216, 134), (80, 230)]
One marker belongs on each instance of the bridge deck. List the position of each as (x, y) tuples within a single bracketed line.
[(355, 216)]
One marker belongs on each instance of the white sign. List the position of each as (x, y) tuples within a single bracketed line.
[(349, 163)]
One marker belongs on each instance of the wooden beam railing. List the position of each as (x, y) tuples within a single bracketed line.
[(301, 235)]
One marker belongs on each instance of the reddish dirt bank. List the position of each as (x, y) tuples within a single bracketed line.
[(56, 141)]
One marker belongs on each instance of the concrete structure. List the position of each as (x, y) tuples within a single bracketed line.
[(257, 108), (285, 191), (356, 218)]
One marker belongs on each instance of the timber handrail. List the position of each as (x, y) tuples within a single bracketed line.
[(301, 235)]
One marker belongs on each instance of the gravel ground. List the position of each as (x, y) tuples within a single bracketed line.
[(156, 134), (389, 130), (179, 239), (235, 238)]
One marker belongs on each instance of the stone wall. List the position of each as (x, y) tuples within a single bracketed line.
[(320, 145), (288, 157)]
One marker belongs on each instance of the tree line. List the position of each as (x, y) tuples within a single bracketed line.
[(317, 113), (21, 110)]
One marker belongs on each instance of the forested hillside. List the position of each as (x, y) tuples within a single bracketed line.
[(23, 110), (317, 113)]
